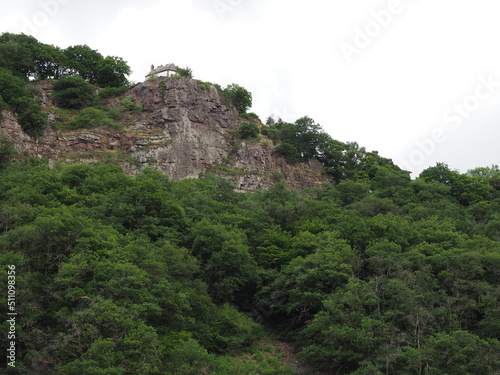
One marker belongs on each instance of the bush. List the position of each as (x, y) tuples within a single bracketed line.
[(185, 72), (250, 116), (289, 152), (248, 130), (128, 104), (73, 92), (32, 119), (205, 86), (91, 118), (112, 92), (14, 94), (273, 134)]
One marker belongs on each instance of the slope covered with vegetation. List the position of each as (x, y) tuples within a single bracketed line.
[(374, 274), (147, 275)]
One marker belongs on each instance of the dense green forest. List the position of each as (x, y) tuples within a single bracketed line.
[(375, 273), (146, 275)]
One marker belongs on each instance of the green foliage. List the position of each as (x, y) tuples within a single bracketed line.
[(461, 353), (128, 104), (185, 72), (3, 106), (93, 67), (147, 275), (289, 152), (375, 274), (205, 86), (90, 118), (32, 119), (21, 100), (305, 140), (248, 130), (112, 72), (250, 116), (111, 92), (7, 150), (465, 188), (73, 92), (12, 89), (238, 96), (26, 57)]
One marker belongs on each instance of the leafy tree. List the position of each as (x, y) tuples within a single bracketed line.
[(18, 54), (466, 189), (12, 89), (230, 271), (83, 61), (26, 57), (461, 353), (305, 282), (112, 72), (239, 97), (346, 331)]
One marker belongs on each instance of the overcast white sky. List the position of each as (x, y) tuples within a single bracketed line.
[(416, 80)]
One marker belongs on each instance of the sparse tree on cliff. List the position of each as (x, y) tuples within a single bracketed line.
[(239, 96)]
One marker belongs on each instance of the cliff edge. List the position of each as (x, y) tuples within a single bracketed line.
[(184, 129)]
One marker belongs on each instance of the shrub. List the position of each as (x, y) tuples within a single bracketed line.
[(14, 94), (128, 104), (273, 134), (204, 85), (112, 92), (248, 130), (73, 92), (289, 152), (185, 72), (32, 119), (91, 118), (250, 116)]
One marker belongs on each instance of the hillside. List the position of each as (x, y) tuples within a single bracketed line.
[(161, 229), (182, 129)]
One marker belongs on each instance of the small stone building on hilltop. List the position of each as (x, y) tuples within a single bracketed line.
[(162, 71)]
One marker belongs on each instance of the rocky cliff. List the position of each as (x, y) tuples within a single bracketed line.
[(184, 130)]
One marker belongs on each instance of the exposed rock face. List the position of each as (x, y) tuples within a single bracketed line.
[(184, 130)]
